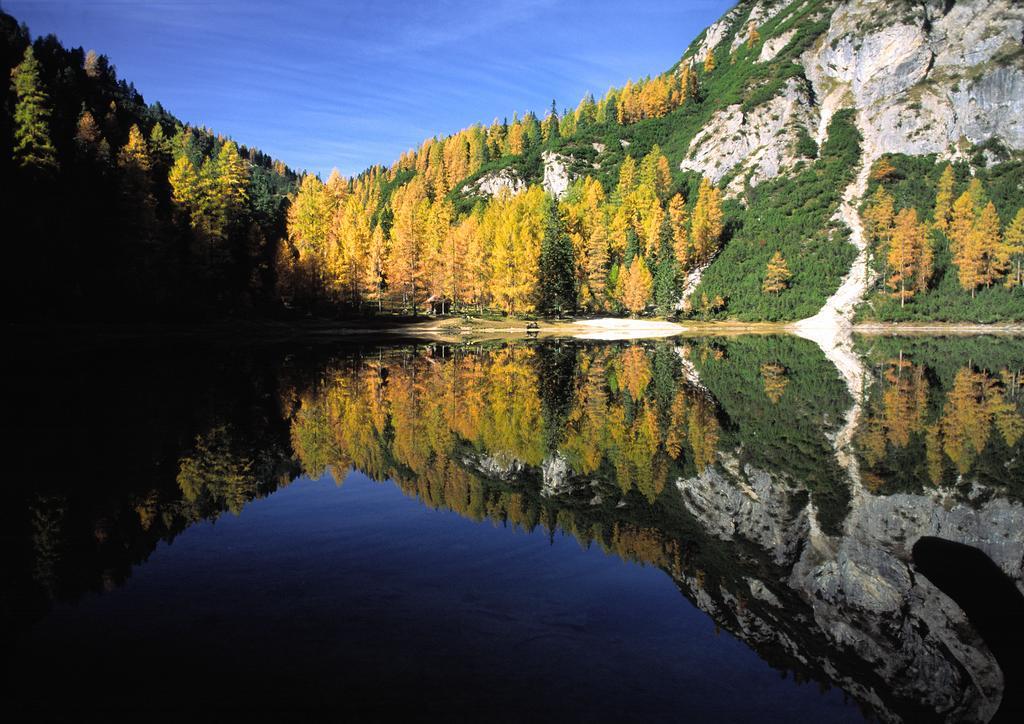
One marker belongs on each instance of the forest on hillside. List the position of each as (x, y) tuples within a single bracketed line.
[(117, 210), (121, 211)]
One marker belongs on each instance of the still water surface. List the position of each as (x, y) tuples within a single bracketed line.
[(660, 530)]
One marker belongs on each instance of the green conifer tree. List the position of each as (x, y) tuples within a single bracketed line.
[(557, 280), (33, 149)]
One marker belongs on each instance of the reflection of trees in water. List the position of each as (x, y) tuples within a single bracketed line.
[(921, 429), (585, 439), (417, 417)]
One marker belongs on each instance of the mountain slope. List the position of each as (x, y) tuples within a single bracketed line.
[(780, 106), (115, 209), (729, 186)]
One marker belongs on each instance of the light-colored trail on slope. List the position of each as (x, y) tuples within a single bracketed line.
[(831, 328)]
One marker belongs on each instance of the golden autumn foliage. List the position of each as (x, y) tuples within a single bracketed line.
[(637, 286), (707, 222), (944, 199), (753, 37), (776, 275), (976, 242), (1013, 246), (709, 61), (775, 380), (878, 221), (909, 257), (977, 406)]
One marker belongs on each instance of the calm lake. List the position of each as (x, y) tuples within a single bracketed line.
[(701, 529)]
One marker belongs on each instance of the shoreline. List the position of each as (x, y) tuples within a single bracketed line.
[(466, 329), (938, 328)]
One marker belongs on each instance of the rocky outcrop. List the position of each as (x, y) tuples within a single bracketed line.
[(758, 144), (555, 476), (490, 184), (556, 174), (772, 46), (924, 80), (496, 467), (760, 13), (751, 506)]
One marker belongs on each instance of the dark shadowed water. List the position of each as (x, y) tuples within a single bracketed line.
[(556, 531)]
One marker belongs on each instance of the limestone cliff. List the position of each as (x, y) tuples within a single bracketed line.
[(931, 77)]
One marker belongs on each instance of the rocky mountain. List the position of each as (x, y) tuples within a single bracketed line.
[(935, 80), (924, 78)]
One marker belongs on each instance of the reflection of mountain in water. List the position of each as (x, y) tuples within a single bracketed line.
[(712, 459)]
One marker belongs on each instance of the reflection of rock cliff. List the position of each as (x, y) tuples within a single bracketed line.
[(859, 590), (848, 602)]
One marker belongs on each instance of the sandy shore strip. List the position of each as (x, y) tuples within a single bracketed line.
[(609, 328)]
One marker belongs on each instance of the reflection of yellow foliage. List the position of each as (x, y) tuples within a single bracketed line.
[(976, 402), (873, 481), (904, 400), (933, 453), (147, 509), (966, 418), (214, 470), (410, 417), (775, 380), (635, 371), (872, 440)]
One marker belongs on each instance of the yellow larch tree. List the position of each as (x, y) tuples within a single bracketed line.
[(515, 225), (309, 223), (706, 226), (636, 290), (597, 268), (753, 37), (776, 275), (652, 219), (1013, 247), (406, 263), (909, 257), (878, 221), (709, 61), (476, 272), (996, 260), (376, 263), (961, 223), (944, 199), (681, 245), (978, 253), (627, 178)]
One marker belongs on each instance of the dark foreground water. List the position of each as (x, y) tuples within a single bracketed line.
[(698, 529)]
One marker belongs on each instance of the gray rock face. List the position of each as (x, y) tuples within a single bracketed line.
[(923, 80), (556, 174), (555, 474), (497, 467), (751, 506), (490, 184), (761, 141)]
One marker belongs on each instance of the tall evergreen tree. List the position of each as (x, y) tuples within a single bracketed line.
[(557, 278), (666, 276), (33, 149)]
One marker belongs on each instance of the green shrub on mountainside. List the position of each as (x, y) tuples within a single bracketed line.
[(791, 215)]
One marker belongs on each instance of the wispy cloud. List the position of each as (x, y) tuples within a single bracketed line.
[(321, 83)]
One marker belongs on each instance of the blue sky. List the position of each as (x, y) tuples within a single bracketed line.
[(322, 84)]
